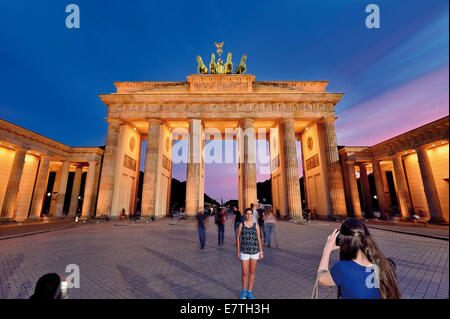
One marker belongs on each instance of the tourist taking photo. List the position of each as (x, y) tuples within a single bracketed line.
[(363, 272)]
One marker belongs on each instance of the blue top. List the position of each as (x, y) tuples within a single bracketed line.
[(352, 277)]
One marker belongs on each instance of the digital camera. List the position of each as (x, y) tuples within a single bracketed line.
[(338, 240)]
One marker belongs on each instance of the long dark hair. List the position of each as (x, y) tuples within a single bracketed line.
[(355, 236)]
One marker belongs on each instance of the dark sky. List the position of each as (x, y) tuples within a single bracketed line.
[(394, 78)]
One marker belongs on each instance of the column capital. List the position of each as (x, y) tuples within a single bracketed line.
[(113, 121), (288, 120), (20, 149), (154, 121), (329, 119), (242, 121), (423, 147), (44, 156), (77, 165)]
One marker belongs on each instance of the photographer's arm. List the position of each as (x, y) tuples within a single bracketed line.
[(323, 272)]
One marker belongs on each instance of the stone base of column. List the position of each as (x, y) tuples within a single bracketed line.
[(297, 219), (437, 220), (6, 220), (57, 218), (339, 217), (148, 218), (34, 219), (107, 217)]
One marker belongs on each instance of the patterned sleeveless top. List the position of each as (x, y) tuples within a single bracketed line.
[(249, 240)]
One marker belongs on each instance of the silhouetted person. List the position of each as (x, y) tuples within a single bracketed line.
[(237, 220), (48, 287)]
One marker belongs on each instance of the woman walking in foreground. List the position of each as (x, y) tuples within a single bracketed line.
[(363, 272), (249, 251)]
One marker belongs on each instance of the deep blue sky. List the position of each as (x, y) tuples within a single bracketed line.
[(394, 78)]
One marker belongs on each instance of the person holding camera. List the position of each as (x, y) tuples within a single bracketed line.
[(50, 286), (363, 272)]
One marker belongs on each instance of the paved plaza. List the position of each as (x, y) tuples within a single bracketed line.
[(162, 259)]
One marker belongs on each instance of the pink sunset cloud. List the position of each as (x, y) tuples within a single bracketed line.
[(399, 110)]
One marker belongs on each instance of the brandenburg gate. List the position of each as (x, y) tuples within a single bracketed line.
[(213, 105)]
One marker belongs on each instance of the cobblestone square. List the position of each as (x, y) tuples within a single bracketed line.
[(162, 259)]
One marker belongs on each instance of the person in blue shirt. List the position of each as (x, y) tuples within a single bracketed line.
[(363, 272)]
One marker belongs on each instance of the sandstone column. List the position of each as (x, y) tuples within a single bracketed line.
[(106, 189), (367, 197), (75, 192), (88, 191), (377, 174), (354, 194), (249, 163), (429, 185), (152, 154), (62, 188), (12, 189), (335, 181), (40, 189), (294, 200), (194, 167), (404, 200)]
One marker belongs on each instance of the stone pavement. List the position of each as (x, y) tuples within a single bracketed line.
[(118, 259), (21, 229)]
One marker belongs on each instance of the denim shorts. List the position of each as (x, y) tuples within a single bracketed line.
[(248, 256)]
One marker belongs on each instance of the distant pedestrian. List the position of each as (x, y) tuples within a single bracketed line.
[(50, 286), (249, 251), (221, 218), (362, 272), (269, 225), (201, 219), (237, 220), (255, 212), (261, 216)]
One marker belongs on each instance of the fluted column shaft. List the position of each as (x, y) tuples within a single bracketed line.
[(40, 188), (62, 188), (106, 188), (404, 200), (12, 189), (367, 197), (194, 167), (379, 185), (75, 192), (429, 185), (249, 163), (354, 194), (294, 200), (335, 180), (88, 190), (152, 153)]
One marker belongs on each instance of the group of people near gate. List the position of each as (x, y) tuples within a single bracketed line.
[(363, 272)]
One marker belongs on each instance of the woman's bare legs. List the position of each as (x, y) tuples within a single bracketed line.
[(245, 267), (251, 275)]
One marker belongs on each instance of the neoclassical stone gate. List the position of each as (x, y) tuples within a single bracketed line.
[(159, 111)]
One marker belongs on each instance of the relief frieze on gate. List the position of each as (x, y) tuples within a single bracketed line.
[(223, 107)]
